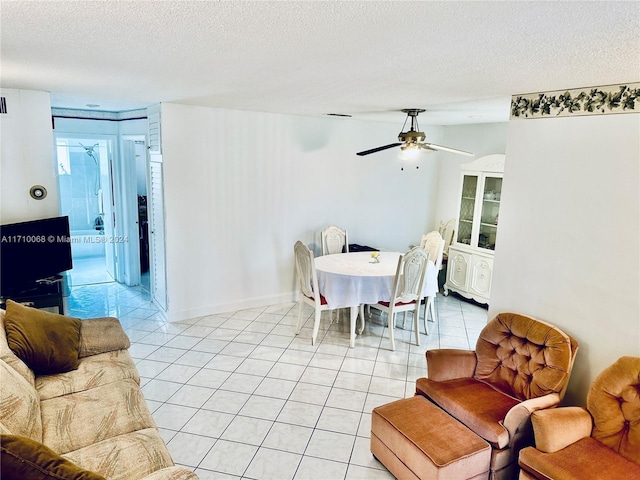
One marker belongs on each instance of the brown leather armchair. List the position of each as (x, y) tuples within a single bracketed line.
[(520, 365), (601, 441)]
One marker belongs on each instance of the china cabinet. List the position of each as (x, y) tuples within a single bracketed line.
[(470, 264)]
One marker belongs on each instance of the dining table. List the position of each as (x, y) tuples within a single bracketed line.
[(352, 280)]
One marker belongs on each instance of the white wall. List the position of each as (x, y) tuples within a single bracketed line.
[(568, 250), (26, 157), (481, 139), (241, 188)]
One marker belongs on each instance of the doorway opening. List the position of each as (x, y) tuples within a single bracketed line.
[(85, 178)]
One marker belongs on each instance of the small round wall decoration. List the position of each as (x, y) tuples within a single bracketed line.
[(38, 192)]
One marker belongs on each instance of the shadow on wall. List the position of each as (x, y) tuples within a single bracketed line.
[(312, 135)]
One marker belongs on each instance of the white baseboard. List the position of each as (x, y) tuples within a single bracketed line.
[(177, 316)]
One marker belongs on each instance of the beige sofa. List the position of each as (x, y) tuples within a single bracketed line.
[(93, 416)]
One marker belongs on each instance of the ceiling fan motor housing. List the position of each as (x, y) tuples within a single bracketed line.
[(411, 136)]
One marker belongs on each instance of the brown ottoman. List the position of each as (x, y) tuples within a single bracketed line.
[(415, 439)]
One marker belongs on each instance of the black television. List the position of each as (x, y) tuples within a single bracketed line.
[(32, 251)]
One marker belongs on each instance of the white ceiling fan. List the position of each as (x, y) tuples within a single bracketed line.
[(413, 139)]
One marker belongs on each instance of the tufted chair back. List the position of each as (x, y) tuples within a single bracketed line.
[(524, 357), (614, 403)]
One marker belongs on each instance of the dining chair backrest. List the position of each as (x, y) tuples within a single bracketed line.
[(305, 269), (334, 240), (309, 289), (447, 230), (433, 243), (410, 276)]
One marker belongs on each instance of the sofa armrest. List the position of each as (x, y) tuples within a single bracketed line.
[(448, 363), (558, 428), (100, 335)]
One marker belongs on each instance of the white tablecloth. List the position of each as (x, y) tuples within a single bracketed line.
[(349, 279)]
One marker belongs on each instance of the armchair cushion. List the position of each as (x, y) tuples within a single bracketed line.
[(586, 458), (476, 404), (523, 357), (614, 404)]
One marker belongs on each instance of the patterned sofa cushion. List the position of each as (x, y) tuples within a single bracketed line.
[(8, 356), (81, 419), (132, 455), (24, 458), (92, 372), (172, 473), (20, 407)]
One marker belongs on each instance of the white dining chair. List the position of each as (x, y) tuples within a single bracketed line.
[(433, 244), (334, 240), (447, 230), (407, 290), (308, 286)]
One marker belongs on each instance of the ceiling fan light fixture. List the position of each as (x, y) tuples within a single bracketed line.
[(410, 151), (410, 146)]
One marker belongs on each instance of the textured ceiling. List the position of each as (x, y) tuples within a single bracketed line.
[(460, 60)]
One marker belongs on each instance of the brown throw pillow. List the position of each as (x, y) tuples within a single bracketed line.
[(47, 342), (23, 458)]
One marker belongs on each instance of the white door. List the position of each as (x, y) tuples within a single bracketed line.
[(131, 261), (156, 233), (107, 203)]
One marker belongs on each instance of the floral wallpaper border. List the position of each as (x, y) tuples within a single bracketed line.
[(606, 100)]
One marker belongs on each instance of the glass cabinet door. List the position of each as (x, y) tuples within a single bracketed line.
[(467, 208), (491, 194)]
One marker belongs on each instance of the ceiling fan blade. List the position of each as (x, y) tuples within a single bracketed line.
[(378, 149), (426, 146), (433, 146)]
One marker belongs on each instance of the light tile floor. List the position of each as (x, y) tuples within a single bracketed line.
[(88, 270), (239, 395)]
